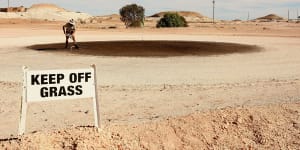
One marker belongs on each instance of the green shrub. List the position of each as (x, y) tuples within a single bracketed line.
[(172, 20), (132, 15)]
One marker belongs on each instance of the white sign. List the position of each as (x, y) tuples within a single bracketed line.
[(47, 85), (60, 84)]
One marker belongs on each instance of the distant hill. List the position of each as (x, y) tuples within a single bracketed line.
[(110, 17), (99, 19), (181, 13), (190, 16), (270, 17), (44, 7), (49, 12)]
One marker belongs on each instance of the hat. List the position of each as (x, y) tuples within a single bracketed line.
[(72, 22)]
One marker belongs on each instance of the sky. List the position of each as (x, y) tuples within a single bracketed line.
[(224, 9)]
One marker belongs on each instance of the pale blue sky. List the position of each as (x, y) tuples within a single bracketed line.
[(225, 9)]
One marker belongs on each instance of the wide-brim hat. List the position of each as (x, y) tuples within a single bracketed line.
[(72, 22)]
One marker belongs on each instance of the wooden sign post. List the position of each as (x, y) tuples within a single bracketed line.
[(49, 85)]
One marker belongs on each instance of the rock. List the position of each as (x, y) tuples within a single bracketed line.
[(296, 125)]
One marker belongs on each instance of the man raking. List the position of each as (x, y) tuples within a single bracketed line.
[(69, 30)]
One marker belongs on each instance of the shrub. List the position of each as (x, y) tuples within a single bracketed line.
[(132, 15), (172, 20)]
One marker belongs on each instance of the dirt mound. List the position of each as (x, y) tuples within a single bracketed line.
[(54, 12), (237, 20), (151, 48), (113, 16), (270, 17), (100, 19), (47, 12), (260, 127), (48, 7), (181, 13), (191, 17)]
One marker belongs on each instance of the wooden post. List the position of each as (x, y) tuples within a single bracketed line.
[(96, 100), (23, 111)]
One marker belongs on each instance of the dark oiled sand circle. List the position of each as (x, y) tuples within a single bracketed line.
[(149, 48)]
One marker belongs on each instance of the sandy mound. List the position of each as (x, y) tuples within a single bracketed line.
[(100, 19), (110, 17), (53, 12), (260, 127), (188, 15), (237, 20), (182, 13), (48, 12), (151, 48), (48, 7), (270, 17)]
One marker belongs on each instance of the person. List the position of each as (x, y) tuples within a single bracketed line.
[(69, 30)]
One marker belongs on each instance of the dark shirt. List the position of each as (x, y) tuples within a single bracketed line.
[(70, 29)]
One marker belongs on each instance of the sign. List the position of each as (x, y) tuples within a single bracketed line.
[(48, 85), (60, 84)]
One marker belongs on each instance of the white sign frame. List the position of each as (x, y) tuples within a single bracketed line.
[(25, 103)]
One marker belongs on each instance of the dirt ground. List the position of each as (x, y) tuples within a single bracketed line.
[(260, 127), (174, 102)]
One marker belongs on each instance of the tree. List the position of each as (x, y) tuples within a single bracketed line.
[(132, 15), (172, 20)]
